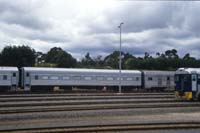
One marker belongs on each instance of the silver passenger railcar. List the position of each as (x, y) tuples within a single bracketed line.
[(36, 77), (9, 78), (158, 80)]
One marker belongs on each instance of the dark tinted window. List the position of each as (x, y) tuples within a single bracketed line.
[(150, 78), (4, 77), (168, 78), (36, 77), (27, 74), (14, 74), (193, 77), (176, 78)]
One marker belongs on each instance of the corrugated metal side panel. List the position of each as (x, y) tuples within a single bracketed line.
[(60, 81), (40, 69)]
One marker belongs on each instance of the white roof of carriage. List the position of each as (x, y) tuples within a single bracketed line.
[(45, 69), (5, 68), (188, 70)]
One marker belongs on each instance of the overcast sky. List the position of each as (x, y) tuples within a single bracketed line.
[(81, 26)]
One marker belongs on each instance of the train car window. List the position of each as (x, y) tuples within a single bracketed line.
[(27, 74), (150, 78), (176, 78), (4, 77), (14, 74), (119, 78), (185, 78), (76, 77), (110, 78), (129, 79), (66, 78), (44, 77), (193, 77), (137, 78), (54, 78), (88, 78), (100, 78), (36, 77), (168, 78)]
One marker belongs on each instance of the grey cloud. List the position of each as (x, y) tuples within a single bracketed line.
[(48, 38), (7, 6), (22, 13), (138, 17), (169, 23), (161, 25)]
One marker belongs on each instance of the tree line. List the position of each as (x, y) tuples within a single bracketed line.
[(21, 56)]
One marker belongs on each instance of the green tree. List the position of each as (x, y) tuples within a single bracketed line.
[(60, 58), (18, 56), (87, 61), (189, 61), (65, 60), (171, 53), (112, 60), (52, 55), (40, 58), (99, 61)]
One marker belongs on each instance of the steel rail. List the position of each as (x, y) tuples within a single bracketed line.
[(95, 107), (109, 128), (81, 94)]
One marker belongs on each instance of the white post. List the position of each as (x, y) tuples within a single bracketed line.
[(120, 58)]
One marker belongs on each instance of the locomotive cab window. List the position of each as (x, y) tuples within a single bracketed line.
[(150, 78), (4, 77)]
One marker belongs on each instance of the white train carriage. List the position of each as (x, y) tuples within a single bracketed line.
[(41, 77), (9, 78), (158, 79)]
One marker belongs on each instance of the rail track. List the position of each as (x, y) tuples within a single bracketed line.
[(83, 94), (36, 112), (57, 107), (84, 102), (22, 104), (81, 98), (109, 128)]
